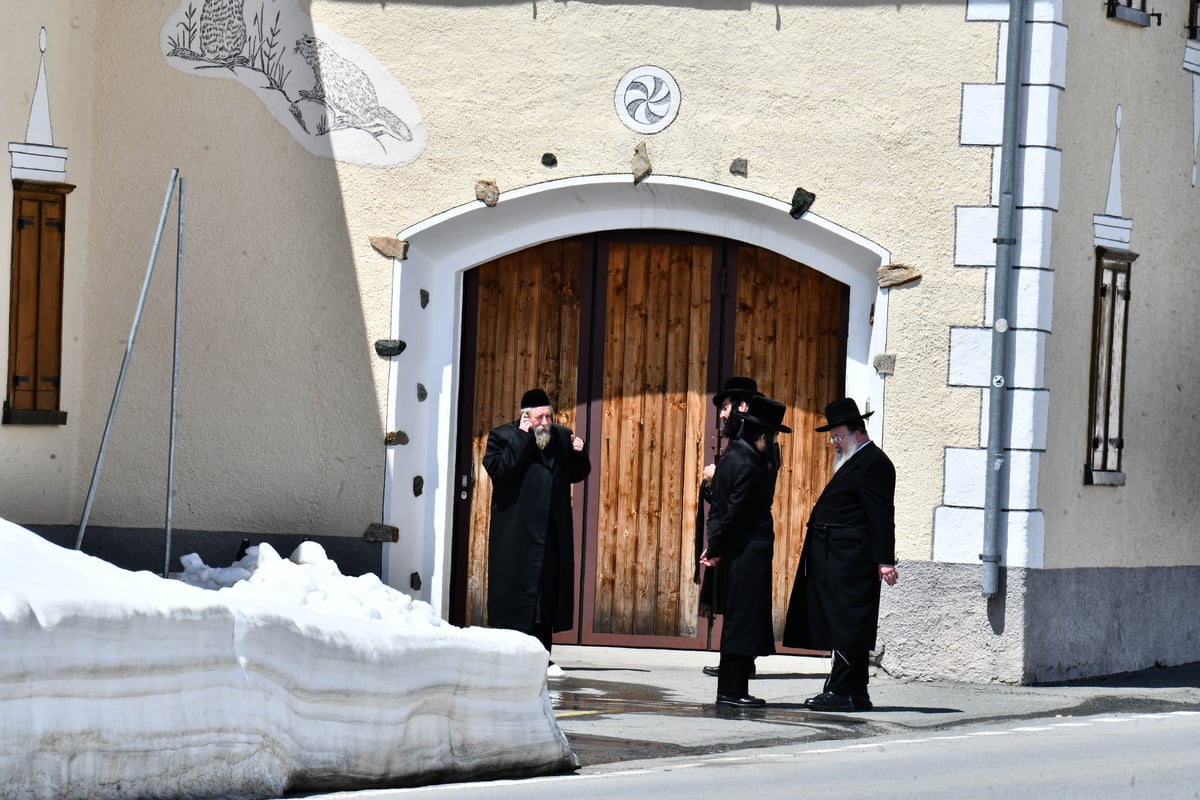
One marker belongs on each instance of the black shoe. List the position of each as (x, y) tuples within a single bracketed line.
[(716, 671), (862, 702), (830, 701), (744, 701)]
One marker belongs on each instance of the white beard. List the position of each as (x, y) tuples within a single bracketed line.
[(542, 436), (840, 459)]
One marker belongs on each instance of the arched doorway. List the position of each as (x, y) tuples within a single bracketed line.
[(422, 482)]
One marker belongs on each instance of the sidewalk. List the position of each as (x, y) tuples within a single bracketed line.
[(617, 705)]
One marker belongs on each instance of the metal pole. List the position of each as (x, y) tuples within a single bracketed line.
[(1006, 240), (137, 318), (174, 376)]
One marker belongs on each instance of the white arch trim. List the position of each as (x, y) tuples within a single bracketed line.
[(442, 247)]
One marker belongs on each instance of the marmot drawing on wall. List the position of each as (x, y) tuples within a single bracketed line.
[(347, 93), (223, 31)]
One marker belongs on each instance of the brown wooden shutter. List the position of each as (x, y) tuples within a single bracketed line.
[(36, 301)]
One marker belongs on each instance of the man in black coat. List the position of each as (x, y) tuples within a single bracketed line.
[(731, 402), (531, 542), (741, 546), (849, 548)]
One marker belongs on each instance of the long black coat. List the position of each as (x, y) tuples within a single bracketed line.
[(741, 532), (531, 496), (851, 531)]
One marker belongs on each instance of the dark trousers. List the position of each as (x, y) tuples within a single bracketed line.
[(734, 674), (848, 673), (545, 606), (544, 633)]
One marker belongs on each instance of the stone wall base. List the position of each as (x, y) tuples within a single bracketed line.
[(1045, 625)]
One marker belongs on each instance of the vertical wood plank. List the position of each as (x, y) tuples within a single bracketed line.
[(655, 363), (608, 528), (696, 399)]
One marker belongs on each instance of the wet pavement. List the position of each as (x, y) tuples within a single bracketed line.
[(619, 705)]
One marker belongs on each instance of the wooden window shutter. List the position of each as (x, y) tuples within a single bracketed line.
[(1106, 434), (36, 302)]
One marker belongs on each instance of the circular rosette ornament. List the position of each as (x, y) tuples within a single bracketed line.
[(647, 99)]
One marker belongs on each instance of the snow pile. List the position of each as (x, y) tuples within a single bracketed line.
[(284, 676), (309, 579)]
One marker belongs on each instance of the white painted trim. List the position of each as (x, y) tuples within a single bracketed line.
[(442, 247), (971, 358), (1032, 299), (975, 234), (958, 536), (965, 478), (997, 10), (958, 530)]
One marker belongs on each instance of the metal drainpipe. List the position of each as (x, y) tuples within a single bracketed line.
[(998, 420)]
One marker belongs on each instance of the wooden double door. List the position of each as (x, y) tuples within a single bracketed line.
[(631, 334)]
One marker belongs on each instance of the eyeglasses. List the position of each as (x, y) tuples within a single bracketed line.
[(838, 437)]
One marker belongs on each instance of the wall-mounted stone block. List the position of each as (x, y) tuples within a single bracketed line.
[(802, 200), (896, 275), (390, 246), (488, 192), (640, 163), (378, 532), (386, 348)]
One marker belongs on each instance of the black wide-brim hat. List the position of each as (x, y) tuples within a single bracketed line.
[(737, 385), (766, 413), (842, 411)]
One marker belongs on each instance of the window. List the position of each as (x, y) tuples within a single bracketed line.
[(35, 305), (1109, 330)]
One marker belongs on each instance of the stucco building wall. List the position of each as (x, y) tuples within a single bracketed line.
[(888, 112), (1115, 561), (1120, 72), (42, 462), (283, 295)]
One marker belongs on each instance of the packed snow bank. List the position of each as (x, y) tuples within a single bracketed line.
[(289, 677)]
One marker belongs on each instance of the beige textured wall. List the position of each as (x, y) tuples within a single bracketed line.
[(40, 462), (860, 106), (282, 397), (279, 408), (1151, 520)]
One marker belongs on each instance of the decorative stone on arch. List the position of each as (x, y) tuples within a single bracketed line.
[(426, 313)]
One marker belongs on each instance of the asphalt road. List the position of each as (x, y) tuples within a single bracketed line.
[(1105, 756)]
